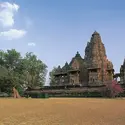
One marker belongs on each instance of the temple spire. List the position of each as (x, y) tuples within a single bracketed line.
[(95, 50), (124, 62), (77, 54), (95, 33), (96, 38)]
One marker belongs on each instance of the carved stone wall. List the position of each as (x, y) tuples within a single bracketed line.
[(75, 64), (74, 78)]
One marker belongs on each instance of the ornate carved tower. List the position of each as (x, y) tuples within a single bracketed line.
[(99, 68)]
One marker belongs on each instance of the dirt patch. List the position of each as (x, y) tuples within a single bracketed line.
[(62, 111)]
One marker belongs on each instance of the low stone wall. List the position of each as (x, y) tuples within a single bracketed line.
[(70, 92)]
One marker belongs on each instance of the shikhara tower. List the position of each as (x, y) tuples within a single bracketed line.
[(99, 68)]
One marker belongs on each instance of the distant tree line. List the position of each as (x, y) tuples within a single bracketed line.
[(20, 72), (51, 76)]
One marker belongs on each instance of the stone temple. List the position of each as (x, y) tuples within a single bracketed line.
[(122, 73), (94, 69)]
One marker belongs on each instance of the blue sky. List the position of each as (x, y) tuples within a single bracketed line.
[(56, 29)]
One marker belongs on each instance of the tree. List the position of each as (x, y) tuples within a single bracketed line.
[(3, 76), (35, 70), (2, 55), (11, 59), (51, 76), (8, 62), (113, 88), (19, 72)]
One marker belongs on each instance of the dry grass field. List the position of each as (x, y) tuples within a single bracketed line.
[(62, 111)]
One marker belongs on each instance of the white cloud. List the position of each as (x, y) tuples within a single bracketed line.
[(31, 44), (12, 34), (7, 11)]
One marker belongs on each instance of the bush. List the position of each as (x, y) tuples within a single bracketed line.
[(94, 94), (38, 95), (3, 94), (121, 94)]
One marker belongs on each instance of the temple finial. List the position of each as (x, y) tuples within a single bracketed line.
[(95, 33)]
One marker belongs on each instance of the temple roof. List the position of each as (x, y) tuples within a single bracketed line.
[(96, 39), (95, 33), (58, 69), (78, 58), (124, 63), (77, 55), (66, 67)]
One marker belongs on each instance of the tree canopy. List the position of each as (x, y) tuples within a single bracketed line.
[(20, 72), (51, 76)]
